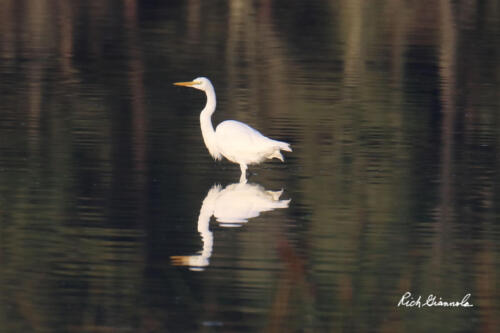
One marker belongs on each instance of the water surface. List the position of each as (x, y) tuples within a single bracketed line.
[(114, 217)]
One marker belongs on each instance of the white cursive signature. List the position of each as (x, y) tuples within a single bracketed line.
[(409, 301)]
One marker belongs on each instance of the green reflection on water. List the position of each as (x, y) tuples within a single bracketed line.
[(392, 111)]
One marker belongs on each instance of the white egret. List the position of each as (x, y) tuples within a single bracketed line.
[(234, 140), (231, 207)]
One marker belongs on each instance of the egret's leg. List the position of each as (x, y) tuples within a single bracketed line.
[(243, 178)]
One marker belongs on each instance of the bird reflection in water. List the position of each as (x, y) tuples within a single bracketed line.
[(231, 207)]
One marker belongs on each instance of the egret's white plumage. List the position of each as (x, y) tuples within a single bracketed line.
[(234, 140), (232, 206)]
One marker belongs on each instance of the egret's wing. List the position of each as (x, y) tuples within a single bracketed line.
[(254, 137), (239, 132), (234, 137), (239, 202)]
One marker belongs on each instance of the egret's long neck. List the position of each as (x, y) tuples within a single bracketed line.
[(206, 236), (207, 129), (206, 212)]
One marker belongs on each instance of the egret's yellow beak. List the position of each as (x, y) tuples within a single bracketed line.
[(180, 260), (187, 84)]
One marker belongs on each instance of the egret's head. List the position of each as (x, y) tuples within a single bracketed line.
[(201, 83)]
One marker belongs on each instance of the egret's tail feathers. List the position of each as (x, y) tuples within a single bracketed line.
[(275, 194), (284, 146), (284, 203), (279, 145), (277, 155)]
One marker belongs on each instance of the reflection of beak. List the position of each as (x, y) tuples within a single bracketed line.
[(180, 260), (186, 84)]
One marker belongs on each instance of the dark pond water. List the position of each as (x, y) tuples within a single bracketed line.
[(114, 217)]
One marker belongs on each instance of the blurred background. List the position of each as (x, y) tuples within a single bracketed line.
[(391, 107)]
